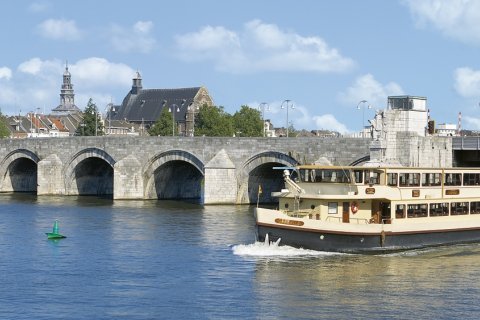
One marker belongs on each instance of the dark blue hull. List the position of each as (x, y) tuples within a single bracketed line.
[(359, 243)]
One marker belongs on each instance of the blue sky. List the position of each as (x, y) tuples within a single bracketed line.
[(324, 56)]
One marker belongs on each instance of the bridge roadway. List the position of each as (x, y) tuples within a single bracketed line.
[(212, 169)]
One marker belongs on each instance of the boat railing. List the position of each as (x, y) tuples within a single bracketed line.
[(359, 220), (339, 219)]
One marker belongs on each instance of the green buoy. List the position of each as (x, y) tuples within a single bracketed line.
[(54, 234)]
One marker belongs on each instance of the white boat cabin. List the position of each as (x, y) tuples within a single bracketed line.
[(380, 195)]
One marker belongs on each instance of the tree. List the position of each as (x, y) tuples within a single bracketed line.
[(91, 124), (163, 125), (4, 131), (248, 122), (213, 121)]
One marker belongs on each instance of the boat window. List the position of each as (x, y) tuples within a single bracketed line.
[(475, 207), (418, 210), (358, 176), (372, 177), (392, 179), (325, 176), (400, 211), (409, 179), (431, 179), (332, 208), (438, 209), (471, 179), (453, 179), (459, 208)]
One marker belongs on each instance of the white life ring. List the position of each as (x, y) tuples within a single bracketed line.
[(354, 207)]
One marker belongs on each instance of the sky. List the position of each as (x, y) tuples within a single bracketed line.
[(325, 57)]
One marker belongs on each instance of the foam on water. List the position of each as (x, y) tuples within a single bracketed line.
[(273, 249)]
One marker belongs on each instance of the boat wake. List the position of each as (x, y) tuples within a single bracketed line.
[(273, 249)]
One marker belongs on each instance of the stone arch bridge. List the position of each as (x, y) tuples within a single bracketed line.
[(214, 170)]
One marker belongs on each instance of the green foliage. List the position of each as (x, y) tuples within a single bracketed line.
[(292, 132), (4, 131), (91, 119), (163, 125), (248, 122), (213, 121)]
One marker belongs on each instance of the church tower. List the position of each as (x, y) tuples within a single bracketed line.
[(67, 97), (137, 83)]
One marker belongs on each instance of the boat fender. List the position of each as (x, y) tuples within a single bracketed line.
[(354, 207)]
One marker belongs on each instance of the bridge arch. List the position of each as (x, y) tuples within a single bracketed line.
[(174, 174), (19, 171), (258, 171), (90, 172)]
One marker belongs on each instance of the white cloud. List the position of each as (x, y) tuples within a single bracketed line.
[(260, 47), (39, 6), (299, 116), (94, 72), (458, 19), (38, 82), (467, 82), (471, 122), (367, 88), (5, 73), (60, 29), (42, 68), (138, 38), (328, 122)]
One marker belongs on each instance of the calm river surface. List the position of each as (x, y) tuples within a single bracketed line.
[(174, 260)]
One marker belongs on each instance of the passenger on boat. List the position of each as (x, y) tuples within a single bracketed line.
[(375, 218)]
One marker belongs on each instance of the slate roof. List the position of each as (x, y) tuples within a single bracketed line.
[(147, 105)]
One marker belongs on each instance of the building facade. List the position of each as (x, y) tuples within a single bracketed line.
[(144, 106)]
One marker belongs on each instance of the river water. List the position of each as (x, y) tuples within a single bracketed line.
[(175, 260)]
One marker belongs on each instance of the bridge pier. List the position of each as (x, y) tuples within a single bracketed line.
[(220, 180), (127, 179), (50, 180)]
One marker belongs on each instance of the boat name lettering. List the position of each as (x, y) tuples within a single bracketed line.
[(289, 222), (370, 190), (452, 192)]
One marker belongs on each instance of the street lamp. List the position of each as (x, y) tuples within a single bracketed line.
[(291, 106), (111, 108), (363, 103), (172, 109), (262, 108), (192, 108)]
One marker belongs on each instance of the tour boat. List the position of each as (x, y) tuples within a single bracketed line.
[(373, 209)]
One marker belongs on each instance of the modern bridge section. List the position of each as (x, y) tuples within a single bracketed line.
[(214, 170), (466, 151)]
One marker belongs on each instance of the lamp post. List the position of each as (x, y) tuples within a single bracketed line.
[(192, 108), (262, 108), (363, 103), (175, 108), (291, 106), (110, 108)]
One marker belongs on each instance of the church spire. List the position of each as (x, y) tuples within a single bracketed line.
[(67, 96), (137, 83)]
